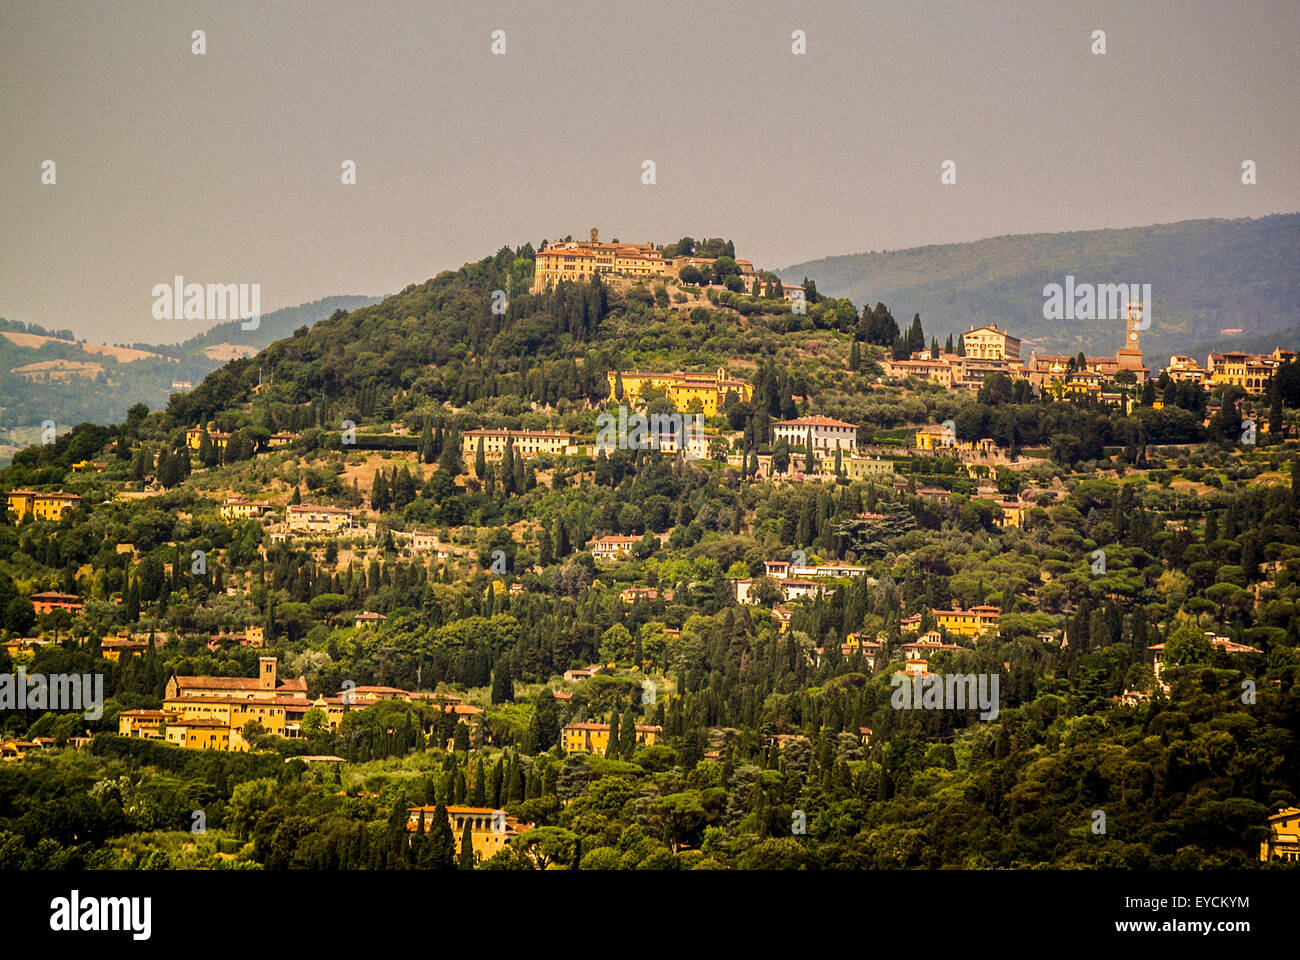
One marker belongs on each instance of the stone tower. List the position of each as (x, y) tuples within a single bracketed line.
[(1130, 354)]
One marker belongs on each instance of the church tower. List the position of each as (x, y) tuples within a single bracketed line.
[(1130, 354)]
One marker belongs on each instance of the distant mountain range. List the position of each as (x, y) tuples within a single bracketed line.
[(1206, 276), (49, 375), (231, 337)]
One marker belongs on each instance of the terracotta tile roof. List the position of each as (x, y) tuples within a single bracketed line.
[(814, 422)]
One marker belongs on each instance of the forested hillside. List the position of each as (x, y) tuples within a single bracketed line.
[(624, 706)]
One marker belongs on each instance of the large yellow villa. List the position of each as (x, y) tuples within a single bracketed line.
[(579, 261), (43, 506), (489, 830), (681, 388), (968, 623), (594, 737)]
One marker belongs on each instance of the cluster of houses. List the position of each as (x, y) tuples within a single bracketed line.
[(988, 349), (214, 713)]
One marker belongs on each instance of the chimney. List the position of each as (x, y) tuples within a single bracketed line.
[(266, 678)]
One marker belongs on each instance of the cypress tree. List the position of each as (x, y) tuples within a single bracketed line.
[(478, 792), (497, 783), (562, 547), (627, 736), (611, 750), (442, 843), (503, 690), (466, 848), (426, 444)]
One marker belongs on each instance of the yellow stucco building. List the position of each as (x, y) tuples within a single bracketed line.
[(1283, 842), (578, 261), (194, 438), (681, 388), (932, 437), (209, 713), (198, 734), (43, 506), (489, 830), (968, 623), (1253, 372), (990, 343), (594, 737), (305, 518), (237, 508)]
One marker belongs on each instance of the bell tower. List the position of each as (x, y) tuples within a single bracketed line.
[(595, 235), (1130, 354), (1134, 324)]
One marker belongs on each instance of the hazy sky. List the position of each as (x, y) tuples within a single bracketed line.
[(226, 167)]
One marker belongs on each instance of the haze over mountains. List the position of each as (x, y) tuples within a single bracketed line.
[(1205, 276), (44, 375)]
